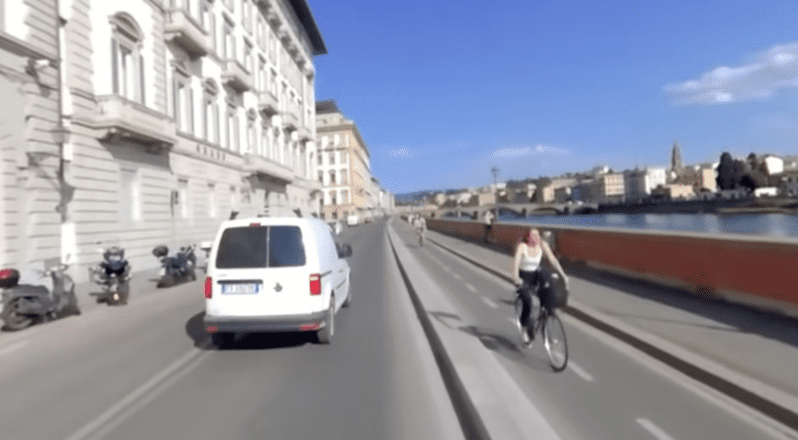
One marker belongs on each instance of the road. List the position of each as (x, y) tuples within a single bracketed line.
[(147, 370)]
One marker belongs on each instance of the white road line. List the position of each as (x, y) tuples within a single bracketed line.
[(446, 269), (655, 430), (12, 348), (471, 288), (580, 371), (490, 303), (457, 276), (140, 393), (512, 320)]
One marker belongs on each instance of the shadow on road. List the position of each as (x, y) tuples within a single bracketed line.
[(247, 341), (508, 347)]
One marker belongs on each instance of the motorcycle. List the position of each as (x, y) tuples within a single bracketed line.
[(113, 274), (178, 268), (27, 304)]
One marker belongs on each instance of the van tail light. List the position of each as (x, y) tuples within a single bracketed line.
[(208, 288), (315, 284)]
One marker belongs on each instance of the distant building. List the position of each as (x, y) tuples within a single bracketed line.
[(676, 191), (640, 182), (609, 188), (677, 166)]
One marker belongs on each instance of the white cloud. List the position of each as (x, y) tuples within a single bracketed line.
[(400, 152), (511, 153), (772, 70)]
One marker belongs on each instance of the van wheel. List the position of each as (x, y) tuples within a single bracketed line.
[(325, 335)]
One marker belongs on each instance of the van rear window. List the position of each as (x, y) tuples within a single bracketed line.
[(254, 247)]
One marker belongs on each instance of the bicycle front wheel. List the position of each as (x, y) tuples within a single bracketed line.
[(555, 342)]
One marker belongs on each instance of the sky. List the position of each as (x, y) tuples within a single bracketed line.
[(443, 90)]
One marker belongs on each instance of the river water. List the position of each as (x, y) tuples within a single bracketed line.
[(777, 225)]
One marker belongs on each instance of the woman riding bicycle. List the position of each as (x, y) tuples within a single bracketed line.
[(528, 272)]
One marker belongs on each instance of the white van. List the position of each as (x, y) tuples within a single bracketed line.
[(275, 274)]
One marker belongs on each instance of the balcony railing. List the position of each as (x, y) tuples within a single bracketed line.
[(304, 133), (267, 169), (268, 103), (236, 75), (120, 118), (182, 29), (290, 120)]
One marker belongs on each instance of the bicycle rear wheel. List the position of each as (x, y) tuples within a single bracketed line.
[(555, 342)]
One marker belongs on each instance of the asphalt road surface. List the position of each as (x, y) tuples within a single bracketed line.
[(147, 370)]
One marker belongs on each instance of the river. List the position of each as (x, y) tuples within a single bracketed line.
[(777, 225)]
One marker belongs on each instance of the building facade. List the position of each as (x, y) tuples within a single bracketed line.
[(31, 165), (174, 115), (343, 164), (640, 182)]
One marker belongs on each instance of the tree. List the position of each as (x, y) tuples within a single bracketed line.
[(731, 173)]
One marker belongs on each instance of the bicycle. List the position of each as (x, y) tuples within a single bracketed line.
[(547, 321)]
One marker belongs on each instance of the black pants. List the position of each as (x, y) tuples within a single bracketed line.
[(533, 282), (487, 231)]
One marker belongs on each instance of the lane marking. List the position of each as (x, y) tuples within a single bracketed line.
[(90, 430), (580, 371), (12, 348), (490, 303), (655, 430), (471, 287), (446, 269), (457, 276)]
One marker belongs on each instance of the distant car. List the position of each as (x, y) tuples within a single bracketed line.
[(275, 274), (336, 227)]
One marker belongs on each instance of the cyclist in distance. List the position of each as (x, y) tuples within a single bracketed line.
[(527, 271), (421, 226)]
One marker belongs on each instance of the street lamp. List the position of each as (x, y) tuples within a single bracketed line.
[(495, 171)]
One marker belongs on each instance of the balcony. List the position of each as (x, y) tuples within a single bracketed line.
[(304, 133), (236, 76), (183, 30), (267, 169), (290, 120), (118, 119), (268, 103)]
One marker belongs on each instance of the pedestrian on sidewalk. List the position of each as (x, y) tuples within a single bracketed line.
[(488, 219)]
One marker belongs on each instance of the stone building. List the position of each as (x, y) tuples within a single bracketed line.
[(32, 161), (175, 114), (344, 169)]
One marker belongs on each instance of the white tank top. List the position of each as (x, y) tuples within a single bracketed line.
[(529, 263)]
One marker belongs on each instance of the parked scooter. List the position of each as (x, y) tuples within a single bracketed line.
[(178, 268), (113, 274), (27, 304)]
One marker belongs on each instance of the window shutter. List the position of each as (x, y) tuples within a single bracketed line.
[(142, 93), (114, 66), (191, 110)]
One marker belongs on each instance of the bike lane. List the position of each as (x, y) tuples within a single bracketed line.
[(633, 314)]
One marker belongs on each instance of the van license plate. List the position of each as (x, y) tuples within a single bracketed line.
[(240, 288)]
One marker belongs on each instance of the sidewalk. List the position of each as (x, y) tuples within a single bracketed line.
[(748, 355)]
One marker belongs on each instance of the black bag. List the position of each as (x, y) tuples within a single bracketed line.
[(553, 293)]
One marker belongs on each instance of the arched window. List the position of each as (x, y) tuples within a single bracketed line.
[(126, 58)]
